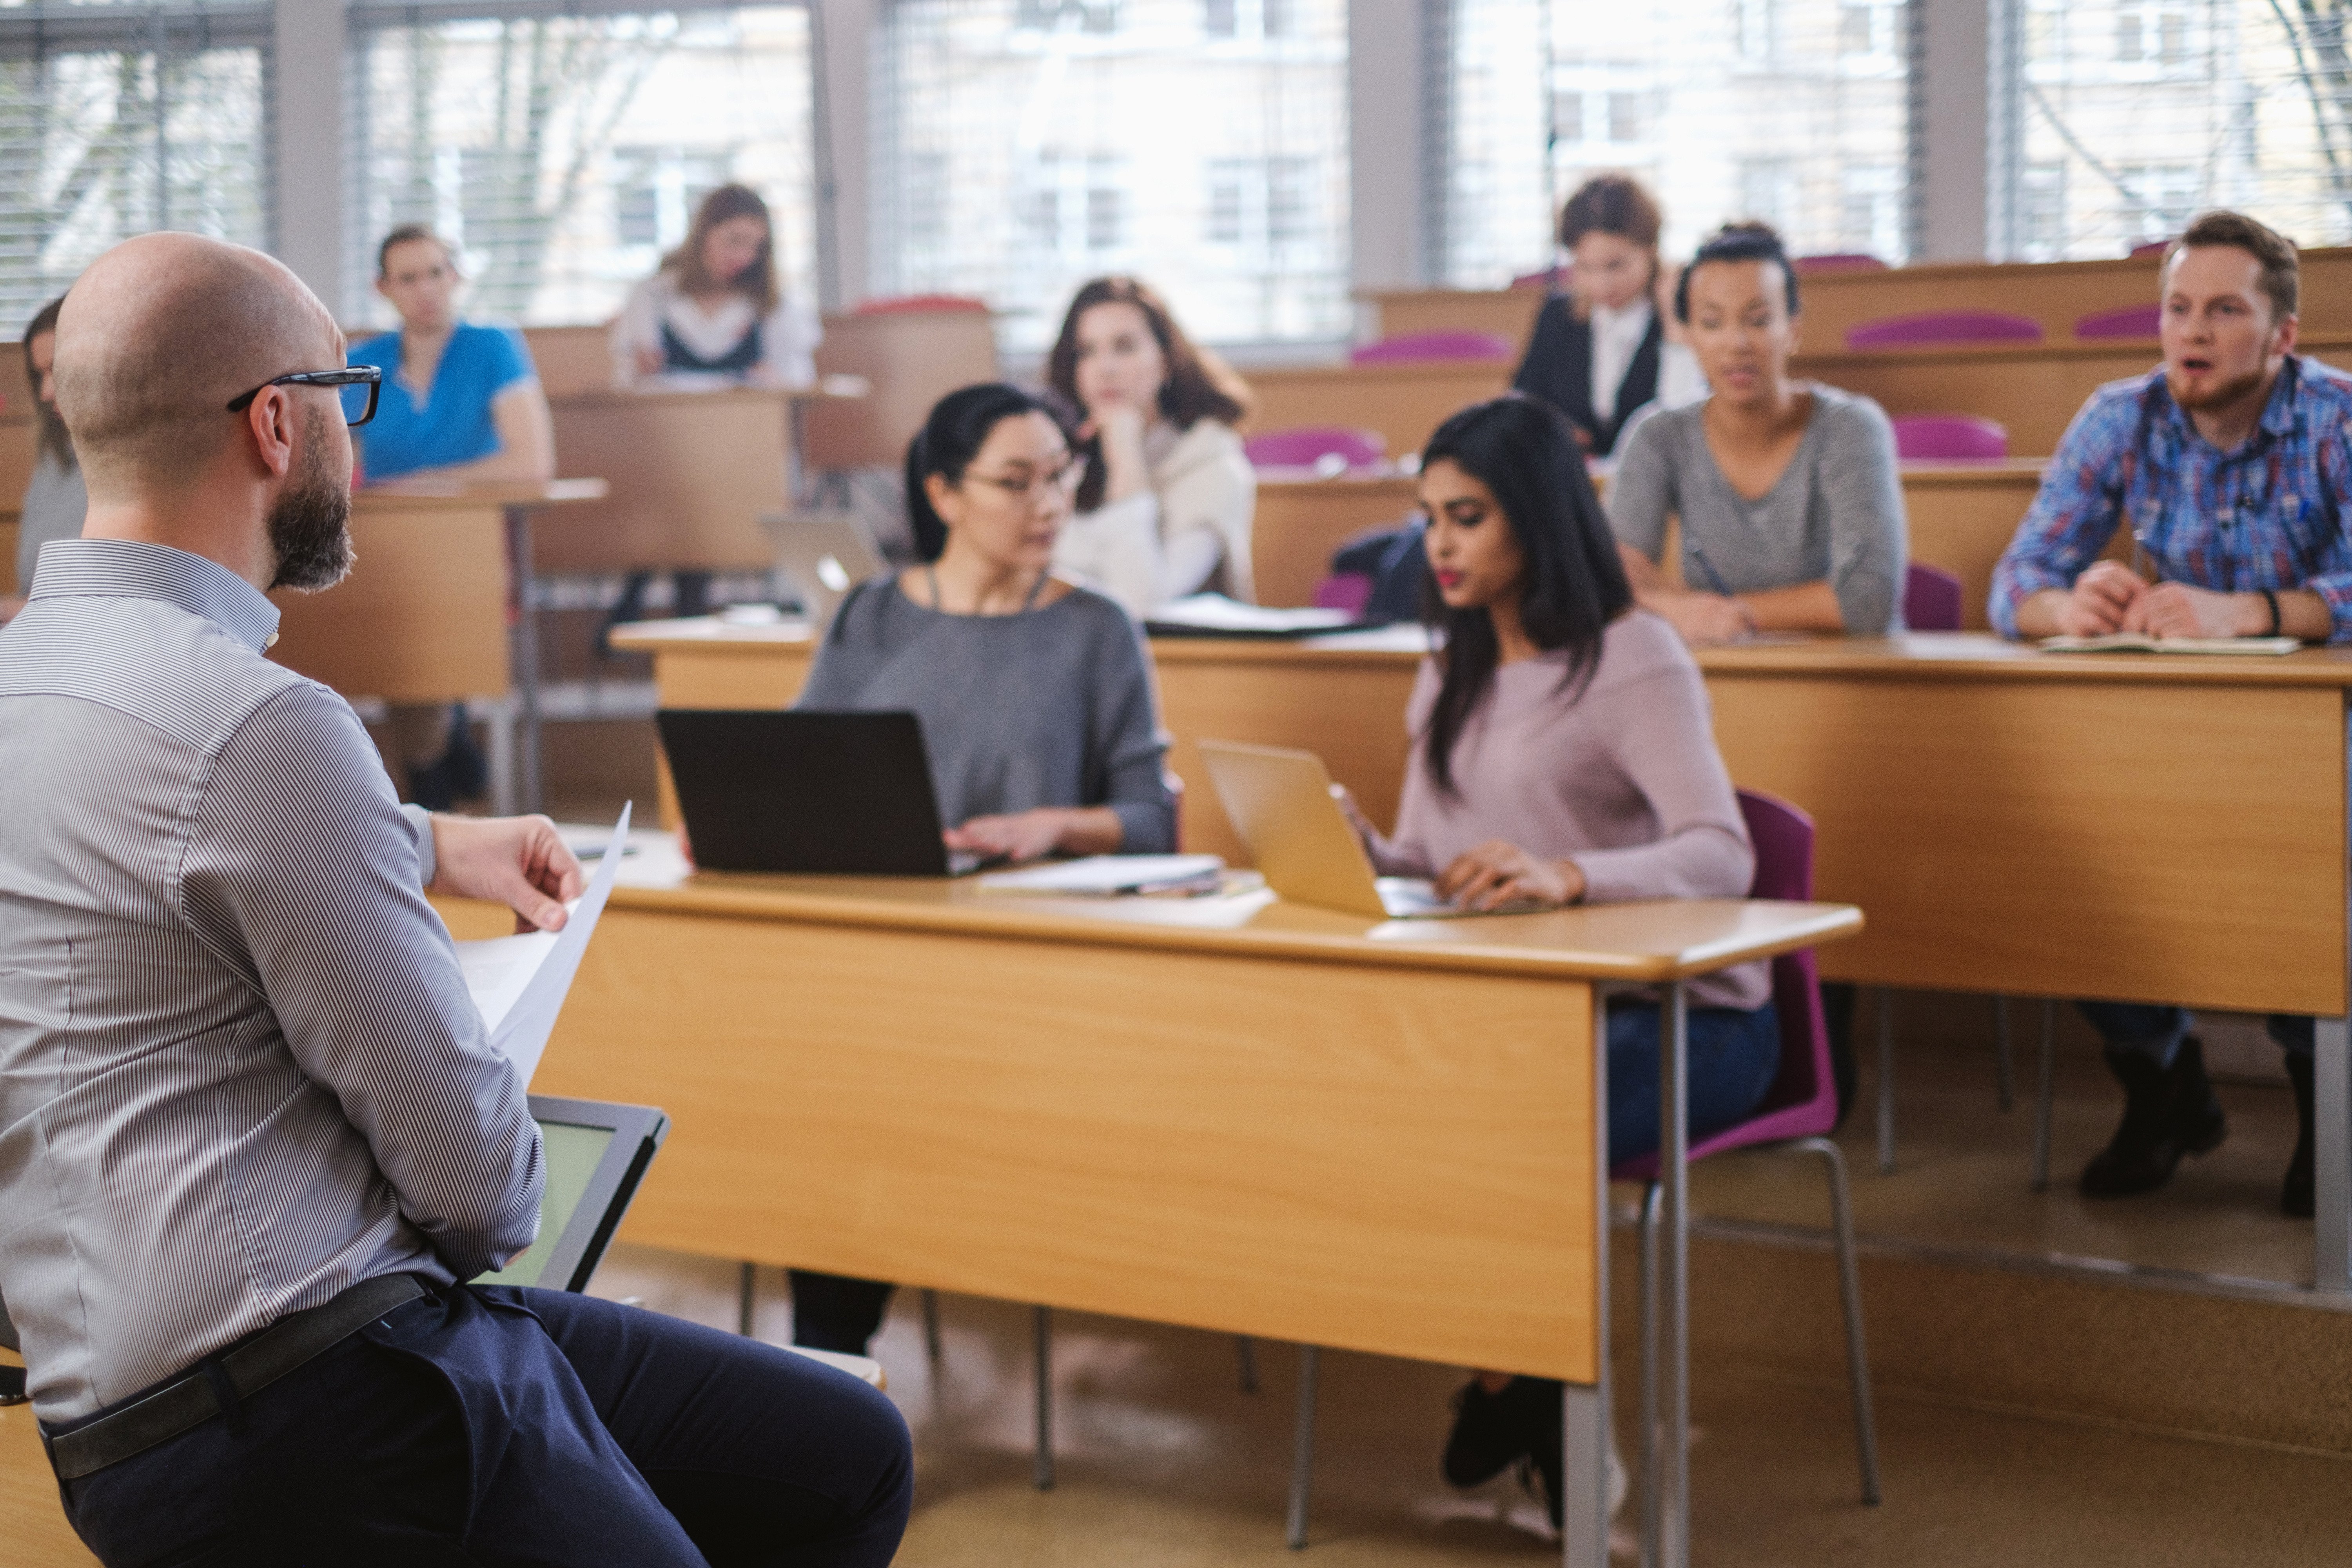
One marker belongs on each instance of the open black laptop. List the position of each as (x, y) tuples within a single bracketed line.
[(844, 794)]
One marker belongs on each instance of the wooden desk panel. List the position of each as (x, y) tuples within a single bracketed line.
[(1301, 520), (910, 359), (1404, 402), (422, 618), (1305, 1152), (691, 473), (1508, 313)]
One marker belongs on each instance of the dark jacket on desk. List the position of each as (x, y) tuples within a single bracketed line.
[(1559, 369)]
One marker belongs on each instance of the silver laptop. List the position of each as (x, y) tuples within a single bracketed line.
[(823, 555), (1287, 810)]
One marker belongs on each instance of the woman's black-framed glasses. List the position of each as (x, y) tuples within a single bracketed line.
[(355, 385)]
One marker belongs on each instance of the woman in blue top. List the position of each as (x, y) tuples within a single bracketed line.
[(458, 401)]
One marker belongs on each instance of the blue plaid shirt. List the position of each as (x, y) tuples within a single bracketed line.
[(2270, 514)]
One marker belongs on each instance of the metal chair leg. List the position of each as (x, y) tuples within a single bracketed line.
[(1302, 1445), (2004, 1071), (1653, 1498), (747, 1297), (931, 1329), (1044, 1471), (1857, 1358), (1245, 1356), (2049, 1087), (1886, 1081)]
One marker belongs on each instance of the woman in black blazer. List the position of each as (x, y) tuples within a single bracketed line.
[(1610, 228)]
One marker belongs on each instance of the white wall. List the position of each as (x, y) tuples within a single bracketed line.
[(307, 137)]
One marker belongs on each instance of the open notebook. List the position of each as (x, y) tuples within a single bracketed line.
[(2140, 642)]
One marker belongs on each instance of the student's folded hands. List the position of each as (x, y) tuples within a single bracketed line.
[(1499, 872)]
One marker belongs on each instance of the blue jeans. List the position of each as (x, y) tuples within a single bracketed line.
[(1734, 1057), (491, 1425), (2139, 1028)]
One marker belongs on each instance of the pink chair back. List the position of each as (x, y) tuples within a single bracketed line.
[(1927, 437), (1452, 344), (1554, 279), (917, 304), (2151, 247), (1941, 327), (1307, 446), (1349, 591), (1846, 261), (1802, 1102), (2131, 322), (1931, 598)]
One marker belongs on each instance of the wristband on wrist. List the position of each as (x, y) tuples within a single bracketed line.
[(2271, 598)]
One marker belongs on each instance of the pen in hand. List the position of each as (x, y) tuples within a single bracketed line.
[(1698, 554)]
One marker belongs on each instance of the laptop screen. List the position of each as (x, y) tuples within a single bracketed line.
[(573, 1152)]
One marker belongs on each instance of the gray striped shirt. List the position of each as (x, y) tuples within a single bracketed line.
[(239, 1069)]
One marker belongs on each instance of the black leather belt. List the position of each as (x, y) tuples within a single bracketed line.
[(219, 1382)]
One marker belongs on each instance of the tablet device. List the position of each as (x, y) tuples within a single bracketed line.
[(596, 1155), (823, 554), (835, 794)]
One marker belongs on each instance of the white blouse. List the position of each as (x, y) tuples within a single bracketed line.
[(1187, 533), (788, 338)]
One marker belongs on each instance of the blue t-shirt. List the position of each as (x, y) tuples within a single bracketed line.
[(453, 424)]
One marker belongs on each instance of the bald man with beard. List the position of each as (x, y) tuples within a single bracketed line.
[(253, 1138)]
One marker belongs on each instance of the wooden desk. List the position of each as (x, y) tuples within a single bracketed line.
[(1962, 516), (2035, 389), (431, 613), (911, 360), (690, 473), (1233, 1114), (1404, 402), (2014, 822)]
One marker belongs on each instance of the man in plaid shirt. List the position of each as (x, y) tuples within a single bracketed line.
[(2231, 464)]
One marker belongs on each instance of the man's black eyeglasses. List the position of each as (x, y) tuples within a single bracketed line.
[(355, 385)]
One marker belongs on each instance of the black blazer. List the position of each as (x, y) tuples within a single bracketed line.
[(1559, 369)]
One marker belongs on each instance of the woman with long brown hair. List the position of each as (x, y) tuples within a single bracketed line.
[(1605, 349), (54, 500), (716, 311), (1165, 507)]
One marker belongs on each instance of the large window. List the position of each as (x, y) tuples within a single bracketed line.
[(565, 154), (1024, 146), (1796, 111), (116, 120), (2133, 115)]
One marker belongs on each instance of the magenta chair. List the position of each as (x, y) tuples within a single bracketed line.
[(2149, 247), (917, 304), (2131, 322), (1795, 1117), (1957, 437), (1434, 345), (1309, 445), (1349, 591), (1553, 279), (1841, 261), (1931, 599), (1939, 329)]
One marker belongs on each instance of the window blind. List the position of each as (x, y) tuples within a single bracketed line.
[(563, 154), (119, 119), (2134, 115), (1024, 146), (1795, 111)]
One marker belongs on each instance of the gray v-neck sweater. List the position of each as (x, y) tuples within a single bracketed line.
[(1050, 707), (1836, 514)]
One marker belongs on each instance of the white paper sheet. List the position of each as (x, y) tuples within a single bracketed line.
[(1105, 876), (520, 982)]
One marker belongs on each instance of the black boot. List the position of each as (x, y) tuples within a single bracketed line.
[(1494, 1431), (2296, 1200), (2168, 1112)]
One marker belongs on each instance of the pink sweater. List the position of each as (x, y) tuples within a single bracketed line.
[(1625, 781)]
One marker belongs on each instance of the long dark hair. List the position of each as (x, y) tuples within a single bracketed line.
[(53, 439), (756, 282), (1200, 385), (1572, 583), (957, 429)]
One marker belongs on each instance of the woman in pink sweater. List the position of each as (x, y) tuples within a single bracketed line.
[(1563, 751)]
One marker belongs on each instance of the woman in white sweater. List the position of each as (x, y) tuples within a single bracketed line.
[(1166, 505)]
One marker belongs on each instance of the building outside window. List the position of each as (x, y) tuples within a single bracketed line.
[(1200, 145), (154, 120), (565, 154)]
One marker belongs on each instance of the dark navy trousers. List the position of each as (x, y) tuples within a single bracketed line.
[(498, 1425)]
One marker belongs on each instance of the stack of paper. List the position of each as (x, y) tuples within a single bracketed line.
[(2140, 642), (520, 982), (1213, 614)]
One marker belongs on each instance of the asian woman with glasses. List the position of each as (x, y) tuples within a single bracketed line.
[(1035, 694)]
